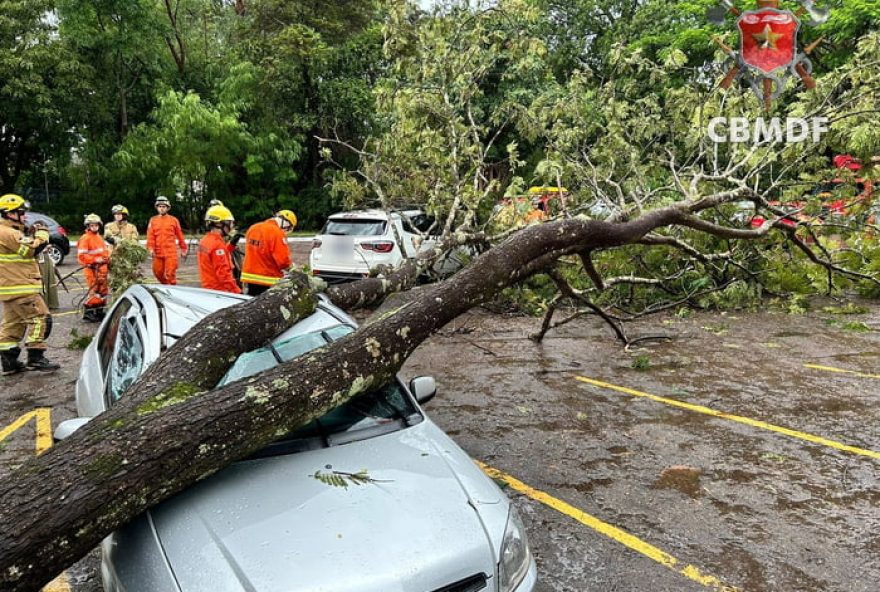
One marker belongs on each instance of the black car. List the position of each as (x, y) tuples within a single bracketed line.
[(59, 244)]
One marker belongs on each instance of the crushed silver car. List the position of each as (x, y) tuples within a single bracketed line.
[(372, 497)]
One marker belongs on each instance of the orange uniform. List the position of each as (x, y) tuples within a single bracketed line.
[(163, 237), (215, 264), (266, 254), (92, 253)]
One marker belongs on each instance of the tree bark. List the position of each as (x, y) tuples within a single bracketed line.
[(171, 430)]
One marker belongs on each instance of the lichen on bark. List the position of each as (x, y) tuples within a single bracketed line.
[(176, 393)]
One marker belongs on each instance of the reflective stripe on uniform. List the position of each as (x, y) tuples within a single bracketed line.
[(24, 250), (20, 290), (89, 251), (15, 258), (7, 345), (252, 278), (36, 333)]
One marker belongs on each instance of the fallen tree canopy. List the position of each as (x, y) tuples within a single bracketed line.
[(172, 430)]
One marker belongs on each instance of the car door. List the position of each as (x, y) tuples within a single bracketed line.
[(409, 238)]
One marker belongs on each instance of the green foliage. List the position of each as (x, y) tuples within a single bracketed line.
[(853, 326), (40, 89), (641, 363), (797, 304), (321, 106), (342, 479), (125, 266), (456, 83), (78, 341), (847, 309)]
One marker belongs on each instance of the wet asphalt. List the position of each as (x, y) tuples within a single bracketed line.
[(741, 453)]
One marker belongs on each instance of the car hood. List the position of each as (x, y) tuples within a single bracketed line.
[(271, 525)]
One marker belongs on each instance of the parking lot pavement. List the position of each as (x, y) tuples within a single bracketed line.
[(727, 447), (742, 454)]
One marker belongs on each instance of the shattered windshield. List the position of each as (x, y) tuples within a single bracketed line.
[(379, 411)]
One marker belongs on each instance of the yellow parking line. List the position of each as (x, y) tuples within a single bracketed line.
[(613, 532), (841, 371), (65, 313), (42, 417), (738, 418), (43, 423), (59, 584)]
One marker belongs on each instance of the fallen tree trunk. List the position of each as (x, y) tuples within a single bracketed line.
[(58, 506)]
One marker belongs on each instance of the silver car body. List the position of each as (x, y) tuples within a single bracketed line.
[(430, 520)]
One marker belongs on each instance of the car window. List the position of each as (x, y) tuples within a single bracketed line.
[(407, 227), (352, 227), (107, 344), (127, 359), (423, 222), (264, 358), (380, 407), (388, 406), (32, 217), (380, 411), (254, 362)]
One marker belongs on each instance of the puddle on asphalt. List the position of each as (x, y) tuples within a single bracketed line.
[(682, 478)]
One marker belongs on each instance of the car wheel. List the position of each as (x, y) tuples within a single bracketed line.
[(54, 253)]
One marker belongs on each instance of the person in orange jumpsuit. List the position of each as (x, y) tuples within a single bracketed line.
[(93, 255), (162, 234), (215, 258), (266, 254)]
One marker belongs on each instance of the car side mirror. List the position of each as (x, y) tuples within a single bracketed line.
[(66, 428), (423, 388)]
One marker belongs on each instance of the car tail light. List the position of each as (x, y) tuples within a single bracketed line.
[(61, 231), (316, 243), (378, 246)]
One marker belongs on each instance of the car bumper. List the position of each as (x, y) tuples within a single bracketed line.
[(338, 277), (531, 580)]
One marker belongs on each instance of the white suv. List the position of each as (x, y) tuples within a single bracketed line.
[(353, 243)]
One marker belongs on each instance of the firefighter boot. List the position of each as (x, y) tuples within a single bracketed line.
[(11, 365), (36, 361)]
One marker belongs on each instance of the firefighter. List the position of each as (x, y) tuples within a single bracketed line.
[(120, 229), (215, 259), (24, 311), (93, 255), (162, 234), (266, 254)]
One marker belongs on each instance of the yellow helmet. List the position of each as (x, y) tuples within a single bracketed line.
[(11, 202), (92, 219), (219, 213), (289, 216), (119, 209)]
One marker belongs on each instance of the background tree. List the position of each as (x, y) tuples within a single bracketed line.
[(40, 86), (457, 81)]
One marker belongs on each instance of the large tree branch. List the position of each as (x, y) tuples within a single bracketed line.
[(156, 442)]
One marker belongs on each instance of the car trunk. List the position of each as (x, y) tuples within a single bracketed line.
[(341, 244)]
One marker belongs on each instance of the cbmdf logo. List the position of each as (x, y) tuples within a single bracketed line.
[(769, 53)]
